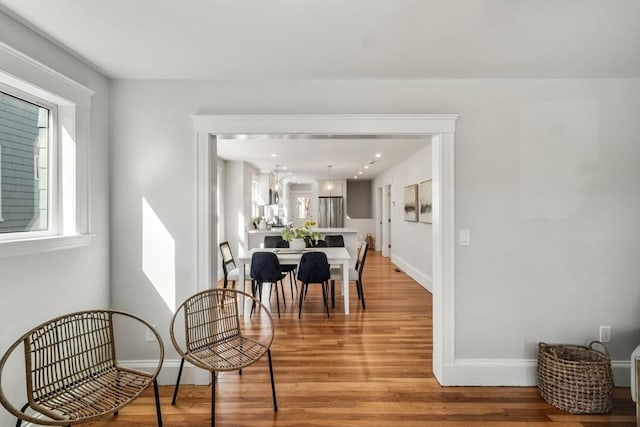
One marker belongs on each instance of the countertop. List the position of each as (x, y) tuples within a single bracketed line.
[(319, 230)]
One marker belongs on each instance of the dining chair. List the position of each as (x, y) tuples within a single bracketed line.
[(229, 267), (313, 268), (272, 241), (265, 268), (334, 240), (72, 373), (355, 274), (218, 340), (288, 269)]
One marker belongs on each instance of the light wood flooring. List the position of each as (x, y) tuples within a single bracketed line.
[(371, 368)]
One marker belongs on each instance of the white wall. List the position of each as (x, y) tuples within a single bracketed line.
[(237, 204), (36, 288), (411, 242), (546, 180)]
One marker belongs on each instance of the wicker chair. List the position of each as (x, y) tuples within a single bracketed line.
[(72, 374), (217, 339)]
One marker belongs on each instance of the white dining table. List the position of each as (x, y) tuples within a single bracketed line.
[(335, 256)]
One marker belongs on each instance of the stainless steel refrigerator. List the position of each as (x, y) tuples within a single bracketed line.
[(331, 212)]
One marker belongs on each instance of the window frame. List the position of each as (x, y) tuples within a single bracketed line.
[(53, 167), (73, 101)]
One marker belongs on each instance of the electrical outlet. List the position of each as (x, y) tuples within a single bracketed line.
[(605, 333), (149, 335)]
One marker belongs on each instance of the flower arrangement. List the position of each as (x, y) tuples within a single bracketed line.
[(306, 232)]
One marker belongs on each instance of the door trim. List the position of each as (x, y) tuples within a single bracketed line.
[(441, 128)]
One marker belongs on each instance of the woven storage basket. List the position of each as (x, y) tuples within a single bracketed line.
[(574, 378)]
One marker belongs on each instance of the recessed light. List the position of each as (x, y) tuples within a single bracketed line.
[(355, 176), (360, 172), (274, 155), (284, 168), (378, 155), (366, 166)]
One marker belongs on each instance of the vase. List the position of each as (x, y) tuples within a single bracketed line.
[(297, 244)]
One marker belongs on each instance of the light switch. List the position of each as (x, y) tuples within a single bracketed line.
[(465, 237)]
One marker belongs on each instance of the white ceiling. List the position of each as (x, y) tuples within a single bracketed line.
[(308, 156), (343, 39), (340, 39)]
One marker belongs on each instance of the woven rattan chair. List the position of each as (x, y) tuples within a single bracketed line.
[(217, 339), (72, 374)]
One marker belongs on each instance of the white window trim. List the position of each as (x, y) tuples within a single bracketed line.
[(53, 163), (1, 218), (73, 102)]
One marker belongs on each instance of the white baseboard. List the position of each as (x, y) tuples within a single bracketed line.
[(463, 372), (169, 372), (417, 275), (510, 372)]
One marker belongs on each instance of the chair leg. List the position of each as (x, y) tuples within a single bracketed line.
[(213, 399), (175, 391), (273, 384), (24, 408), (277, 297), (333, 294), (301, 296), (225, 283), (284, 301), (359, 284), (158, 413), (291, 280), (324, 297)]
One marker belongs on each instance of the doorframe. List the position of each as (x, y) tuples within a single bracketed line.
[(441, 128)]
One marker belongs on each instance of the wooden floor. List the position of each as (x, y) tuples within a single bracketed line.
[(372, 368)]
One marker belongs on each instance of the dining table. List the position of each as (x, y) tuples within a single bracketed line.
[(335, 256)]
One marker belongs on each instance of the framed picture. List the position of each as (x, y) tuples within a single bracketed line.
[(425, 202), (411, 203)]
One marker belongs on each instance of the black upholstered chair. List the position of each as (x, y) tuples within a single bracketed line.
[(288, 269), (314, 268), (271, 241), (265, 268), (334, 240)]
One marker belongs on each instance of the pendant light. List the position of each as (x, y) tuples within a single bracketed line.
[(276, 184), (329, 185)]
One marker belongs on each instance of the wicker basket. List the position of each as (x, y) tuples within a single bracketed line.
[(576, 379)]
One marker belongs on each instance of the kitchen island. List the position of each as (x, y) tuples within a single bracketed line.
[(255, 238)]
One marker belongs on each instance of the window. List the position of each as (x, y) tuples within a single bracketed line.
[(44, 157), (26, 145), (302, 207)]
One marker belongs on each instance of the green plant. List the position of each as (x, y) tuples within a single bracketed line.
[(290, 233)]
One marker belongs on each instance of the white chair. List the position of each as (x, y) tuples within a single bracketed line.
[(355, 274), (229, 266)]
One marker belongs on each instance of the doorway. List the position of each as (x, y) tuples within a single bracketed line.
[(441, 128)]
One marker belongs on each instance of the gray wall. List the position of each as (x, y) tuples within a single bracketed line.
[(38, 287), (359, 202), (545, 173)]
